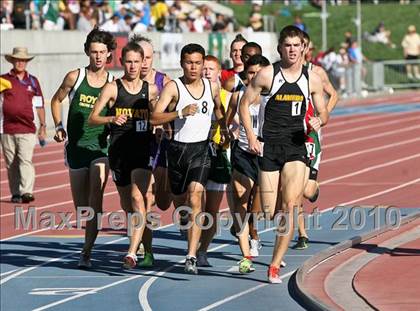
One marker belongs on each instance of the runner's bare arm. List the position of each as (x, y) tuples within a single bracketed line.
[(232, 108), (229, 84), (168, 98), (166, 79), (315, 85), (108, 96), (153, 96), (328, 88), (260, 83), (62, 92)]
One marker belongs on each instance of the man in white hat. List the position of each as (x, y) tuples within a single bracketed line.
[(19, 95)]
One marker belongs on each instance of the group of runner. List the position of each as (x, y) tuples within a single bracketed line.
[(251, 132)]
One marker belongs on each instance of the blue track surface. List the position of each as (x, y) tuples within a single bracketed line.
[(379, 108), (58, 285)]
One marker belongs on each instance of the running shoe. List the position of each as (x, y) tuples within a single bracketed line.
[(273, 275), (315, 196), (84, 261), (302, 243), (130, 261), (148, 261), (191, 265), (255, 246), (27, 198), (16, 198), (202, 260), (283, 264), (245, 266)]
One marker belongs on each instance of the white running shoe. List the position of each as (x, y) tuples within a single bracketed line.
[(254, 251)]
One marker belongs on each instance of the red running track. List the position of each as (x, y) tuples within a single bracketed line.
[(367, 159)]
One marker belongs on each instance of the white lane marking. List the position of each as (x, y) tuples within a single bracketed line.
[(379, 135), (370, 168), (364, 119), (65, 256), (55, 204), (409, 183), (61, 291), (144, 302), (382, 147), (8, 272), (145, 288), (41, 164), (378, 124), (42, 190), (20, 272), (41, 175), (250, 290)]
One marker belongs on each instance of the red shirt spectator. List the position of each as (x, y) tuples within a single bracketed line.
[(18, 103)]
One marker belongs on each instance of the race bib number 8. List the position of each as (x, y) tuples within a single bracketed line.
[(141, 126), (296, 108), (310, 149)]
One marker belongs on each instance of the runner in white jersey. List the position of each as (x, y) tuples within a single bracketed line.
[(245, 166), (190, 101)]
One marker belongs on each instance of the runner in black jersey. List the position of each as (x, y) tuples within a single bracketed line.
[(130, 101), (161, 190), (282, 130)]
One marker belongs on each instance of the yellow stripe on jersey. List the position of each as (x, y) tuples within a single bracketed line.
[(215, 126)]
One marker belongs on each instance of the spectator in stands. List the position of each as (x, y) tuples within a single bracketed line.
[(356, 57), (85, 22), (380, 35), (6, 8), (18, 16), (300, 24), (51, 15), (139, 26), (112, 25), (220, 25), (20, 94), (339, 70), (203, 19), (411, 47), (125, 23), (255, 18), (159, 12), (348, 39)]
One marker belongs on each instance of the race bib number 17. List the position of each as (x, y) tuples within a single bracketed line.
[(141, 126)]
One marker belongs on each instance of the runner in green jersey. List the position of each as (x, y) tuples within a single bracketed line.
[(86, 147)]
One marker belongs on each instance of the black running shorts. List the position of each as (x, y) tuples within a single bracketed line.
[(187, 162), (276, 155)]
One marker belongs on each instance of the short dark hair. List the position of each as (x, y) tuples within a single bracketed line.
[(290, 31), (131, 46), (192, 48), (100, 36), (252, 45), (257, 59), (238, 38)]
